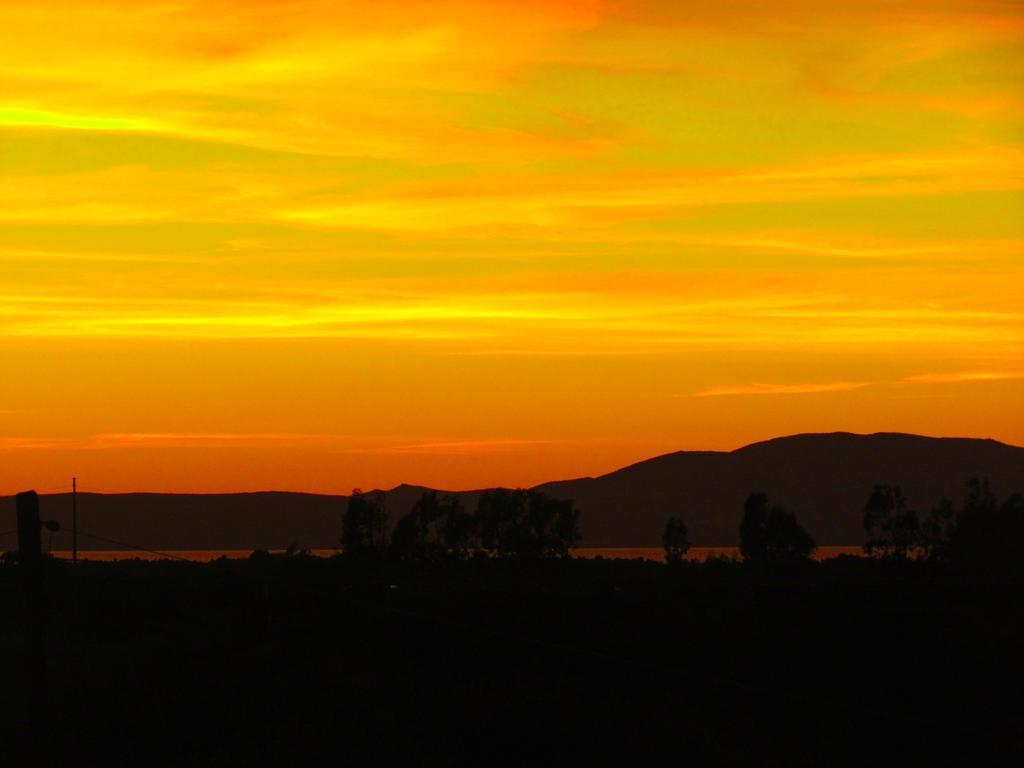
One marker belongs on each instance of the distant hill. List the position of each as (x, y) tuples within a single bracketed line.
[(270, 520), (824, 478)]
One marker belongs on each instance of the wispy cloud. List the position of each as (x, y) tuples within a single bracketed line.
[(13, 443), (573, 196), (199, 439), (962, 376), (779, 389), (43, 119), (454, 447), (335, 443), (114, 440), (759, 388)]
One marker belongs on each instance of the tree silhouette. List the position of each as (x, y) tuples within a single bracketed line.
[(987, 536), (436, 526), (457, 527), (364, 524), (771, 533), (936, 532), (1010, 539), (556, 522), (415, 536), (982, 538), (526, 524), (977, 526), (498, 513), (676, 541), (892, 530)]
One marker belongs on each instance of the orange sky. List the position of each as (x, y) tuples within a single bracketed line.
[(316, 245)]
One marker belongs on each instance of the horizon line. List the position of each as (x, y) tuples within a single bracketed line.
[(67, 491)]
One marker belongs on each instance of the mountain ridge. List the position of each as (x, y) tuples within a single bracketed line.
[(823, 477)]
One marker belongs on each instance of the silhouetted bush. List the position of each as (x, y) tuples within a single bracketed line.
[(772, 534)]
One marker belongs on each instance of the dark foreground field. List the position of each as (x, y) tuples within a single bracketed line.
[(287, 660)]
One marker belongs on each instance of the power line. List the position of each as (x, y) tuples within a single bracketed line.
[(133, 546), (65, 488)]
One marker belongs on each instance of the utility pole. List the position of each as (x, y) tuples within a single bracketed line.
[(30, 540), (74, 520), (30, 563)]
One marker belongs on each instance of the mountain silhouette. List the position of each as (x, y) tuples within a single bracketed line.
[(824, 478)]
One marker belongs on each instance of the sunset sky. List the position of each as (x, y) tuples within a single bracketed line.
[(285, 244)]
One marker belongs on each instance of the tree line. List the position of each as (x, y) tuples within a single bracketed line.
[(769, 533), (508, 524), (982, 534)]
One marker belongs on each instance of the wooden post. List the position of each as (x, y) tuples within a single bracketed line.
[(30, 538), (30, 563), (74, 520)]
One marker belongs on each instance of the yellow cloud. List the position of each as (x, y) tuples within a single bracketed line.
[(499, 221), (42, 119), (456, 447), (780, 389), (961, 376)]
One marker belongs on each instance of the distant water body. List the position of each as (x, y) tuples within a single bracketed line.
[(698, 554)]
